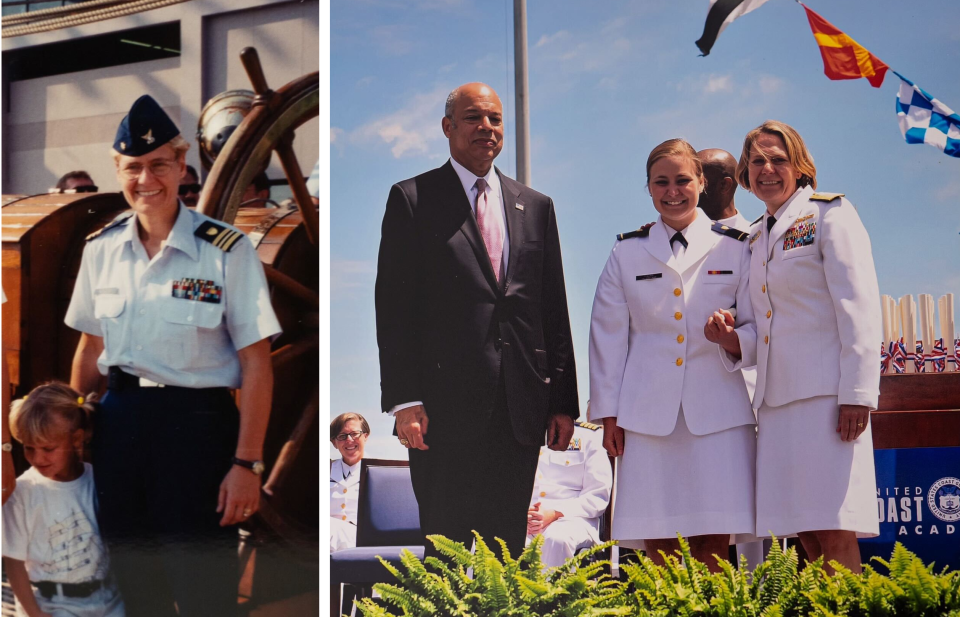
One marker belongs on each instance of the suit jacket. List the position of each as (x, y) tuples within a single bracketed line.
[(815, 292), (648, 353), (447, 329)]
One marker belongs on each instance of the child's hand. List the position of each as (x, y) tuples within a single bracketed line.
[(239, 496)]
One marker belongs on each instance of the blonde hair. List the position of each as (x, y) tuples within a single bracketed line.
[(178, 143), (797, 153), (675, 147), (41, 415)]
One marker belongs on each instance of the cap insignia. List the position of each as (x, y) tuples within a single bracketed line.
[(149, 138)]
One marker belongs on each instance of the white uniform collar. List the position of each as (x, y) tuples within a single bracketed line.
[(468, 178), (181, 234), (786, 204)]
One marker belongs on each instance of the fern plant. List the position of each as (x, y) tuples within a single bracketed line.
[(484, 584)]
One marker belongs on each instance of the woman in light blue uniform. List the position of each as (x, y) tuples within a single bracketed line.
[(174, 309)]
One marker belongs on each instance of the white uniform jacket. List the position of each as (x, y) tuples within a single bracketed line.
[(814, 289), (648, 354), (576, 482), (344, 493)]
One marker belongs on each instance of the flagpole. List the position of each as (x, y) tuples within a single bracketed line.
[(522, 90)]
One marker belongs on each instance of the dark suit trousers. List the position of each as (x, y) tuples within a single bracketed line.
[(481, 483)]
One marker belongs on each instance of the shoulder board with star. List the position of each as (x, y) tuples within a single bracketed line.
[(728, 231), (643, 232), (115, 222), (757, 221), (826, 196), (589, 426), (218, 235)]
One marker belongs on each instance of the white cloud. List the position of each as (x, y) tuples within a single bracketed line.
[(365, 81), (347, 276), (446, 68), (770, 84), (718, 83), (409, 131), (546, 39), (335, 134), (392, 38)]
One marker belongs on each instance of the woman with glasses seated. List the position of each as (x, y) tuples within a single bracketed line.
[(173, 307), (348, 434)]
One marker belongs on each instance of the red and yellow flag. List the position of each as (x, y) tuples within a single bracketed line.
[(844, 58)]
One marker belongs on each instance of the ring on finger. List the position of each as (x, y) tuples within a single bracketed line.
[(404, 442)]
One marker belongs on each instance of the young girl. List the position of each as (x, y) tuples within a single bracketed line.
[(51, 540)]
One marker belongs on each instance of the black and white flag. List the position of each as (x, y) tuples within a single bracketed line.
[(721, 13)]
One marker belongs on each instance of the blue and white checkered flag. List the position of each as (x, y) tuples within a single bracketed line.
[(925, 120)]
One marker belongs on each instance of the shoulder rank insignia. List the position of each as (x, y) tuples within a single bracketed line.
[(725, 230), (643, 232), (758, 220), (589, 426), (825, 196), (218, 235), (117, 221)]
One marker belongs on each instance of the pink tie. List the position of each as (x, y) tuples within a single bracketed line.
[(491, 229)]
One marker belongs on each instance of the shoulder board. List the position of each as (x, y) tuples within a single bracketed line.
[(758, 220), (643, 232), (725, 230), (218, 235), (825, 196), (117, 221), (588, 425)]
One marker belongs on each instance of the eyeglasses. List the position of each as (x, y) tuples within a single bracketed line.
[(186, 189), (353, 436), (158, 168)]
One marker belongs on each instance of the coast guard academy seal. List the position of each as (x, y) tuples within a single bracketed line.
[(943, 499)]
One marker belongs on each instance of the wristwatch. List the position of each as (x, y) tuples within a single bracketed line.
[(7, 447), (256, 467)]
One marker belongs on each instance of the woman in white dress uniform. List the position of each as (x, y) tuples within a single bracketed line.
[(673, 404), (348, 434), (814, 289)]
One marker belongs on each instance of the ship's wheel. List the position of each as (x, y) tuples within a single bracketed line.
[(286, 240)]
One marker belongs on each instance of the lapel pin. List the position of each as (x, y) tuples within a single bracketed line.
[(519, 207)]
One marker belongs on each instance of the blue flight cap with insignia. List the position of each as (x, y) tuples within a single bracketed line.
[(145, 128)]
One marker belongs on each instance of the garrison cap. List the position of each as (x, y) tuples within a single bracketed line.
[(145, 128)]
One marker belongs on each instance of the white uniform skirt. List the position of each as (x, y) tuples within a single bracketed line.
[(691, 484), (807, 478)]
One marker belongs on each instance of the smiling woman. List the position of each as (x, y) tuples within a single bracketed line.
[(348, 434)]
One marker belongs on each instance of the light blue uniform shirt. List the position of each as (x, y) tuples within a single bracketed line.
[(129, 300)]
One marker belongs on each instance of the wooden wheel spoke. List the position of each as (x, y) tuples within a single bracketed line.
[(291, 286), (291, 168)]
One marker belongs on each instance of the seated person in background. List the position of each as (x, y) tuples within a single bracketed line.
[(75, 182), (189, 190), (348, 434), (570, 494), (257, 194)]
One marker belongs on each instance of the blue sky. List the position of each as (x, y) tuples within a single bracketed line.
[(608, 81)]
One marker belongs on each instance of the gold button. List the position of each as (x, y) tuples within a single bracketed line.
[(766, 339), (343, 506), (769, 313), (679, 361), (763, 289), (543, 494), (344, 517), (566, 462), (680, 338), (344, 490), (678, 315), (677, 291), (763, 264)]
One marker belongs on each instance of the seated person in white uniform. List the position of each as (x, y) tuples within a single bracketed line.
[(348, 434), (570, 494)]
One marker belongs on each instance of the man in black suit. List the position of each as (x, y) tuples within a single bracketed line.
[(476, 357)]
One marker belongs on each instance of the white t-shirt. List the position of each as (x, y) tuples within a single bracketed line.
[(52, 527)]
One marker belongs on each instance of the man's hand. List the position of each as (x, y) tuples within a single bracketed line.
[(538, 521), (719, 329), (612, 437), (853, 421), (412, 425), (559, 432), (239, 496)]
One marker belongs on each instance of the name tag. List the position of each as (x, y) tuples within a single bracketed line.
[(644, 277)]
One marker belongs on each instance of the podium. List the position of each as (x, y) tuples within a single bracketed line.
[(916, 440)]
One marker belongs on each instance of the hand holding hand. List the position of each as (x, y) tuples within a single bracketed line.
[(559, 432), (612, 437), (239, 496), (538, 521), (853, 421), (719, 329), (412, 425)]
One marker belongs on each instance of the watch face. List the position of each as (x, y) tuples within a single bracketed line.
[(258, 468)]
